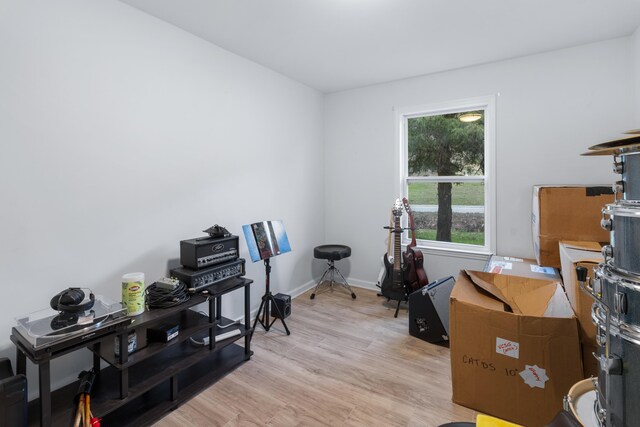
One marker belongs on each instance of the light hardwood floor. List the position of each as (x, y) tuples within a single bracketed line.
[(346, 363)]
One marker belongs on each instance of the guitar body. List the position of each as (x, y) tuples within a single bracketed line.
[(386, 259), (392, 285), (413, 258), (409, 262), (415, 275)]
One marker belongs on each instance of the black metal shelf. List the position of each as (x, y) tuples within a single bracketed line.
[(154, 392), (157, 377)]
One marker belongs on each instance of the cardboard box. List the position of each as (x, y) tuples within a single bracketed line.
[(515, 349), (566, 213), (523, 267), (580, 254)]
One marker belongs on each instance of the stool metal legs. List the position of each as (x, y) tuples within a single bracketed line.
[(332, 270)]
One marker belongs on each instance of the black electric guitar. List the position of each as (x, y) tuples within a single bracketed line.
[(386, 258), (393, 284)]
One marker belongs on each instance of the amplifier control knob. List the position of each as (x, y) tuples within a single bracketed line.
[(618, 167), (607, 252)]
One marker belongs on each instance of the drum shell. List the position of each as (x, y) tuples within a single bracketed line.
[(625, 235), (580, 402), (615, 284), (631, 177), (625, 345)]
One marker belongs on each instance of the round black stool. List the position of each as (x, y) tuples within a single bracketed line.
[(332, 253)]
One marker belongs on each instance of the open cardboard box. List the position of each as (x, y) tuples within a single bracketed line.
[(588, 255), (515, 349)]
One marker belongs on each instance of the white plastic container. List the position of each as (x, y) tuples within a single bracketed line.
[(133, 293)]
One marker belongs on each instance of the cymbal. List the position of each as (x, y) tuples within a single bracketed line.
[(633, 132), (628, 140), (601, 152), (629, 148)]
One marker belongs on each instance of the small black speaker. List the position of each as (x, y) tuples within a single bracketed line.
[(283, 302), (429, 311)]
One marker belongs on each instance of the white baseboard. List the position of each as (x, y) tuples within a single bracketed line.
[(363, 284), (303, 288)]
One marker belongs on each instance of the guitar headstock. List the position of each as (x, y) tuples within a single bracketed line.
[(397, 209), (407, 208)]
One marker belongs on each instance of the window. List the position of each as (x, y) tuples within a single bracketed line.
[(447, 173)]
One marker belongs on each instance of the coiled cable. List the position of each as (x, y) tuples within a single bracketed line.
[(164, 298)]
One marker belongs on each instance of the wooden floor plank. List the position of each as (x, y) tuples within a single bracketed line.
[(346, 363)]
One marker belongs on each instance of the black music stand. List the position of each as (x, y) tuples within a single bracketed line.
[(265, 240)]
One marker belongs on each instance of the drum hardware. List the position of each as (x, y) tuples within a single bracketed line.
[(586, 284), (618, 188), (620, 303), (620, 291), (601, 414), (597, 289), (631, 333), (624, 231), (606, 222), (613, 366), (607, 252), (618, 166), (581, 274), (626, 162), (601, 341)]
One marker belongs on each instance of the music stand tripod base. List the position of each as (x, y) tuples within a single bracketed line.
[(263, 315)]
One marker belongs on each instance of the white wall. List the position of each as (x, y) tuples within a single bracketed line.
[(551, 107), (121, 135)]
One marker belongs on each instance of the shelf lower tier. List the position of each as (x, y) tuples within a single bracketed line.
[(192, 368), (189, 321)]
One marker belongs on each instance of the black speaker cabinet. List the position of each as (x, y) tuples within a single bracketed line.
[(283, 302), (429, 311), (13, 396)]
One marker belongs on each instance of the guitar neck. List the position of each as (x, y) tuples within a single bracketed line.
[(396, 244), (413, 230), (411, 226)]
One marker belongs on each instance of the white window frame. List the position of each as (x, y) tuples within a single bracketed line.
[(486, 103)]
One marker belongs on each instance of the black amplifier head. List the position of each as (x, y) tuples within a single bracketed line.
[(208, 251), (199, 279)]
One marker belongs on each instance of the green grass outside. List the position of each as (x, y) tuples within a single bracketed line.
[(469, 238), (464, 194)]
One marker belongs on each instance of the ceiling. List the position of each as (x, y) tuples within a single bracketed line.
[(333, 45)]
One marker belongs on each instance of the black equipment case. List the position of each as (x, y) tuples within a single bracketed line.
[(429, 311), (13, 396)]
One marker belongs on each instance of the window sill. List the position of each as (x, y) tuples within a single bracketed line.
[(456, 253)]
